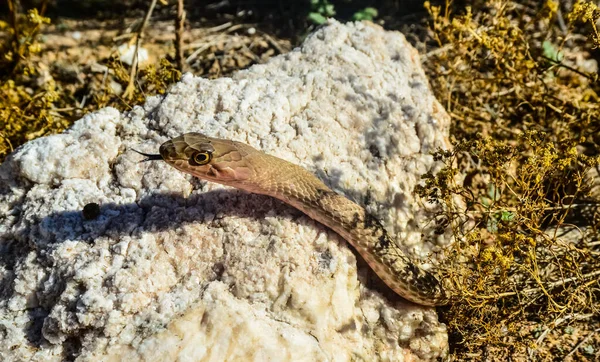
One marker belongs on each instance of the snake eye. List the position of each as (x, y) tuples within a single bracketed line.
[(201, 158)]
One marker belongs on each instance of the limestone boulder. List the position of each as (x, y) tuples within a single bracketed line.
[(171, 267)]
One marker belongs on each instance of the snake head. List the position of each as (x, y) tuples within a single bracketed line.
[(208, 158)]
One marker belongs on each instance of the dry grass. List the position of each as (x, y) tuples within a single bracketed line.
[(525, 121)]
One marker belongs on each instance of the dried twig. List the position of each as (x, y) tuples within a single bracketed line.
[(218, 28), (274, 43), (435, 52), (560, 321), (203, 47), (561, 21), (582, 342), (550, 286), (134, 64), (179, 23), (43, 7), (577, 71), (3, 137)]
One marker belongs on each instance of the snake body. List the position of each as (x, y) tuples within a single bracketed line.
[(239, 165)]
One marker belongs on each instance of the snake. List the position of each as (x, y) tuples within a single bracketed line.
[(241, 166)]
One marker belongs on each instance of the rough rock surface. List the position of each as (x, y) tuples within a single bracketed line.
[(173, 267)]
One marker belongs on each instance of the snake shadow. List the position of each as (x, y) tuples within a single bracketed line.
[(156, 212)]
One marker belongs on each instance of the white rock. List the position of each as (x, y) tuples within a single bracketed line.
[(176, 268), (127, 52)]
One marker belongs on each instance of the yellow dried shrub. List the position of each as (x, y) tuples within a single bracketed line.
[(525, 134)]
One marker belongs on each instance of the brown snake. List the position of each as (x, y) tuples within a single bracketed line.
[(236, 164)]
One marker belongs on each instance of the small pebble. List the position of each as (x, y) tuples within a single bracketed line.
[(91, 211)]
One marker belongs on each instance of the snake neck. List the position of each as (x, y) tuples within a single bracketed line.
[(299, 188)]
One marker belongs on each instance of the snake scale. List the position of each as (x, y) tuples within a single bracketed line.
[(239, 165)]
